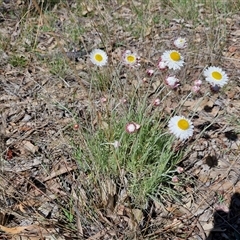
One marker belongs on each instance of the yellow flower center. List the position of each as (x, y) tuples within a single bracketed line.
[(98, 57), (131, 58), (217, 75), (175, 56), (183, 124)]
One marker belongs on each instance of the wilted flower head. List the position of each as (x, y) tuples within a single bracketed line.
[(173, 59), (116, 144), (215, 88), (172, 81), (98, 57), (180, 43), (181, 127)]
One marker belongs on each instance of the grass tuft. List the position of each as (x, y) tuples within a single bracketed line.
[(145, 158), (18, 61)]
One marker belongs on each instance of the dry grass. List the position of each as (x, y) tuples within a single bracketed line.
[(61, 176)]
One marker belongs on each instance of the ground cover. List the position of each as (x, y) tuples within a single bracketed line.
[(86, 149)]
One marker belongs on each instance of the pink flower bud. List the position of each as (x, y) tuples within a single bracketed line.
[(172, 81), (150, 72), (196, 89), (157, 102), (131, 127), (162, 65), (180, 170), (123, 100), (198, 83), (103, 99), (175, 179)]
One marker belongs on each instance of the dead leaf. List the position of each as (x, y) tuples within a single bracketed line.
[(136, 83), (17, 230), (222, 186), (86, 9), (33, 232), (148, 31), (207, 226), (99, 235), (29, 146), (236, 33), (196, 105), (23, 166), (9, 154), (61, 171), (108, 191), (232, 49), (156, 85), (138, 215), (215, 111)]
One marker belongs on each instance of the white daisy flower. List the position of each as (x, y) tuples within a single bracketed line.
[(130, 58), (98, 57), (173, 59), (215, 76), (181, 127), (180, 43), (172, 81)]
